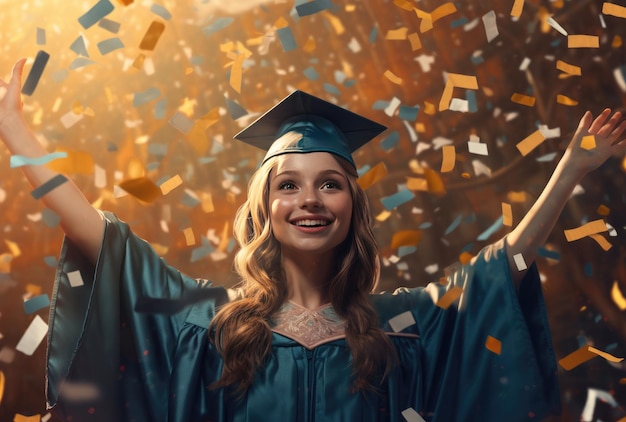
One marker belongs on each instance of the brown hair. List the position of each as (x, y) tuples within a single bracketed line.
[(240, 330)]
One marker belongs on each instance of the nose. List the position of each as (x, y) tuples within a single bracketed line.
[(310, 198)]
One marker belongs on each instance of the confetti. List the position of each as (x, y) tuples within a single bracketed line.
[(33, 336), (50, 185), (397, 199), (583, 41), (2, 381), (402, 321), (459, 81), (415, 41), (152, 35), (449, 158), (374, 175), (593, 395), (410, 415), (76, 162), (518, 7), (20, 160), (612, 9), (171, 184), (593, 227), (75, 278), (36, 303), (405, 238), (588, 142), (97, 12), (112, 44), (142, 188), (190, 239), (618, 297), (449, 297), (567, 68), (41, 36), (519, 262), (604, 244), (523, 99), (181, 122), (22, 418), (531, 142), (554, 24), (491, 230), (491, 26), (605, 355), (217, 25), (32, 80), (109, 25), (312, 7), (392, 77), (161, 11), (565, 100), (493, 345), (507, 215)]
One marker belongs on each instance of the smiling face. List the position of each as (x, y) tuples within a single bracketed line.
[(310, 203)]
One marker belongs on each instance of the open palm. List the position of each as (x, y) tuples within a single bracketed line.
[(10, 97)]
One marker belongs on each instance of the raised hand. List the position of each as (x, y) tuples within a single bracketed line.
[(10, 96)]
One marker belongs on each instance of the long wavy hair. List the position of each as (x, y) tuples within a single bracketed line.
[(241, 330)]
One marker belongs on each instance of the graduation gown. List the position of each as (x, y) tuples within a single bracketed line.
[(128, 342)]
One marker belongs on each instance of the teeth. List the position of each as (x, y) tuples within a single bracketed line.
[(311, 223)]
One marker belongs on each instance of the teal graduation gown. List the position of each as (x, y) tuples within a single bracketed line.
[(130, 344)]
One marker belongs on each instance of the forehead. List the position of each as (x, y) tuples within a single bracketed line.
[(309, 163)]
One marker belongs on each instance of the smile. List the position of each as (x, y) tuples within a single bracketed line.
[(311, 223)]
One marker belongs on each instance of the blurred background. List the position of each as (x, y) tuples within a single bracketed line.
[(152, 92)]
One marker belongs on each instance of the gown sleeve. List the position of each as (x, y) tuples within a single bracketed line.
[(113, 329), (489, 355)]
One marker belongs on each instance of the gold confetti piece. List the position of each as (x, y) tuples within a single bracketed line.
[(618, 297), (517, 197), (152, 36), (397, 34), (197, 136), (531, 142), (518, 7), (405, 238), (225, 238), (190, 239), (604, 210), (404, 4), (565, 100), (160, 250), (523, 99), (350, 7), (466, 175), (13, 248), (568, 68), (588, 142), (415, 41), (577, 358), (507, 214), (33, 289), (236, 73), (22, 418), (207, 202), (281, 23), (427, 20), (449, 158), (493, 345), (417, 183), (309, 45), (138, 62), (617, 42), (435, 182), (384, 215), (1, 386), (605, 355), (600, 240), (76, 162), (142, 188), (372, 176), (335, 22), (429, 108), (613, 9), (459, 81), (593, 227), (465, 257), (171, 184), (583, 41), (392, 77), (5, 263), (451, 295)]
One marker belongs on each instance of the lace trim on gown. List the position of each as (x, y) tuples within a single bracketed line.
[(308, 327)]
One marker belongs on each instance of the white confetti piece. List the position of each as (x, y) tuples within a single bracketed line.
[(392, 107), (519, 262), (33, 336), (475, 147), (554, 24), (480, 168), (491, 26), (75, 279), (100, 177), (550, 133), (401, 321), (593, 395), (458, 104), (410, 415), (70, 118), (425, 62), (524, 64)]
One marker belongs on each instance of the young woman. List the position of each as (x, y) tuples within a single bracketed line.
[(304, 338)]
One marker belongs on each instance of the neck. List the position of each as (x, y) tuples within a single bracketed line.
[(308, 279)]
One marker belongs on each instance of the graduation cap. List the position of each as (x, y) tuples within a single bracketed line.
[(324, 127)]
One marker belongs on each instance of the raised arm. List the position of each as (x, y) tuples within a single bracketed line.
[(534, 229), (79, 220)]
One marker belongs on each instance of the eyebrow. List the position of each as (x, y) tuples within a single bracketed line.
[(322, 173)]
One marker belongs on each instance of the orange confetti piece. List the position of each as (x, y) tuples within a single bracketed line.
[(160, 250), (1, 386), (448, 299), (152, 36), (531, 142), (417, 183), (171, 184), (281, 23), (507, 214), (617, 42), (383, 215), (622, 381), (600, 240), (523, 99), (76, 162), (593, 227), (190, 239), (604, 210), (588, 142), (568, 68), (449, 158), (138, 62), (576, 358), (443, 11), (613, 9), (393, 77), (13, 248), (493, 345), (335, 22), (518, 7), (465, 257), (225, 238), (372, 176), (565, 100), (236, 73), (22, 418), (429, 108), (415, 41), (309, 45), (605, 355), (517, 197), (142, 188), (435, 183), (207, 202), (618, 296), (583, 41), (427, 20), (397, 34), (405, 238), (404, 4), (456, 80)]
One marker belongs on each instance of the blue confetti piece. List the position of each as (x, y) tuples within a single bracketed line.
[(470, 96), (200, 252), (361, 171), (340, 76), (111, 147), (41, 59), (216, 147), (332, 89), (349, 83), (36, 303), (41, 36), (217, 25), (161, 11), (109, 25), (397, 199), (50, 218), (189, 200), (491, 230), (390, 141), (408, 113), (79, 62), (454, 225), (231, 245), (312, 7), (406, 250), (467, 248), (112, 44), (235, 110), (20, 160), (50, 185), (459, 22), (426, 225), (79, 47), (373, 34), (51, 261), (160, 108), (206, 160), (546, 253), (478, 59), (141, 98), (97, 12), (158, 149), (555, 43), (286, 38), (152, 166), (311, 73), (380, 105), (588, 269)]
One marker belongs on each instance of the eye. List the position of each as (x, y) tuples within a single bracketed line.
[(331, 184), (287, 185)]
